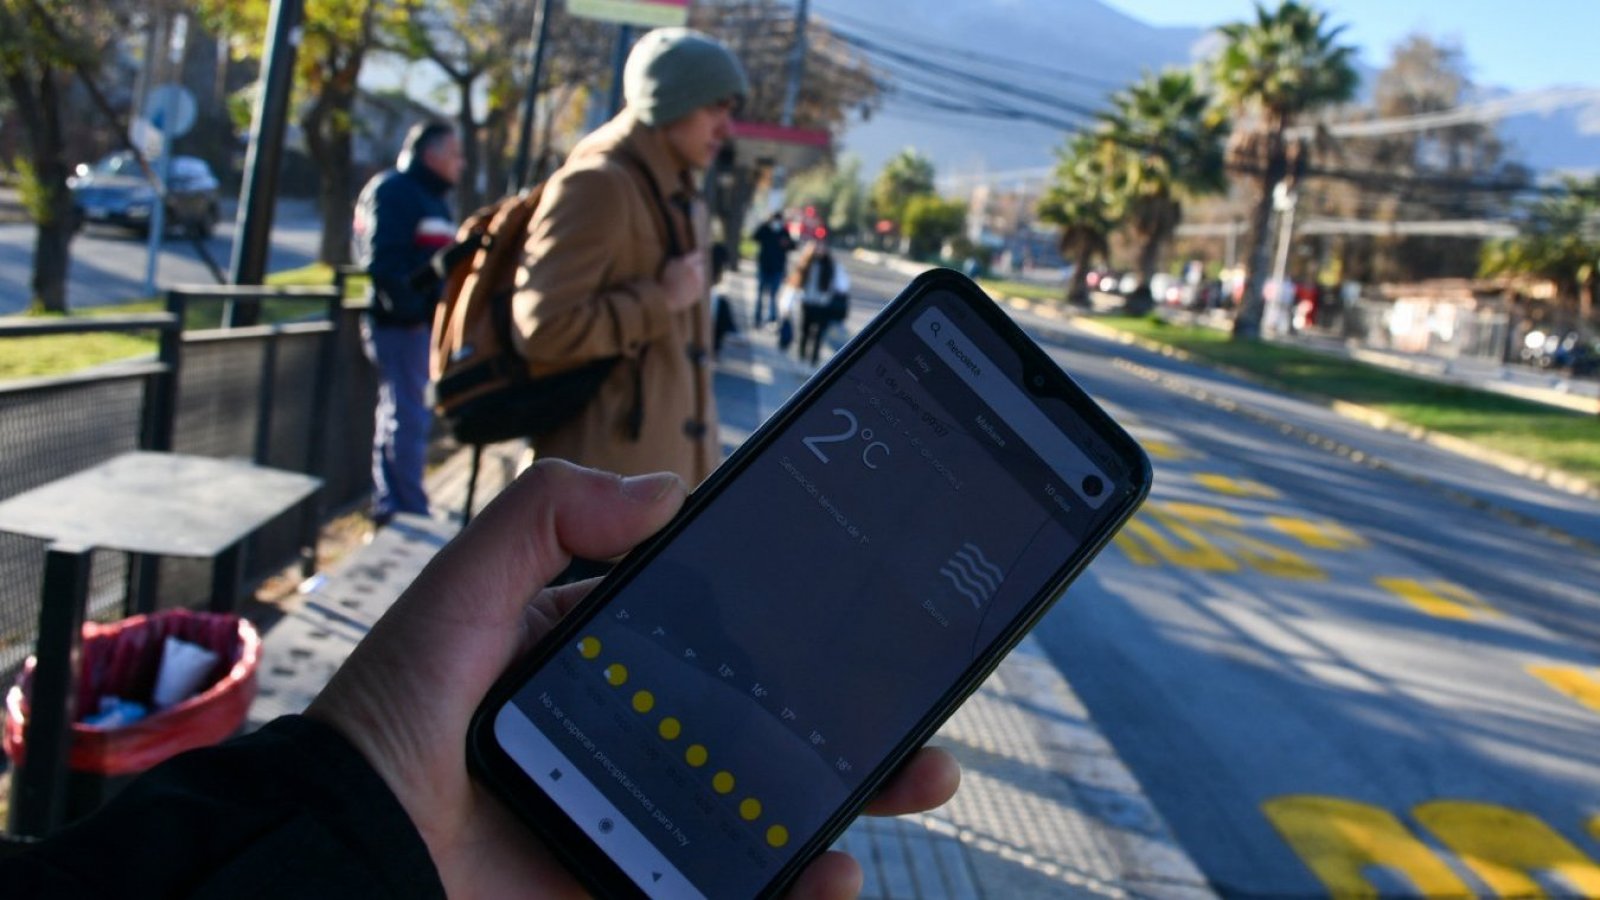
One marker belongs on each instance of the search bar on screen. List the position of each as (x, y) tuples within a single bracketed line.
[(1015, 409)]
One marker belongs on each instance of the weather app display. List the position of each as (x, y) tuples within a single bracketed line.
[(734, 693)]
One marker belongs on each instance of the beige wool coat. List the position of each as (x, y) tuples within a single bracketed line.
[(589, 288)]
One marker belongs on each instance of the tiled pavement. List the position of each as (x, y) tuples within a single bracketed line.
[(1046, 808)]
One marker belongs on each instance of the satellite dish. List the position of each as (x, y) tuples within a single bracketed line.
[(171, 109)]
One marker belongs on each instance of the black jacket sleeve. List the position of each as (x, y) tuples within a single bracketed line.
[(398, 207), (290, 811)]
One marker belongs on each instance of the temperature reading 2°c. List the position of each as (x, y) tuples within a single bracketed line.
[(814, 443)]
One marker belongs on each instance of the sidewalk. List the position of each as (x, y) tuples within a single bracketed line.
[(1046, 808)]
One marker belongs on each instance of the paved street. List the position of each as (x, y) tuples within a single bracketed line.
[(108, 264), (1322, 660), (1337, 659)]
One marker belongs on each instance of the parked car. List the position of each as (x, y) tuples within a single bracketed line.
[(1574, 351), (115, 191)]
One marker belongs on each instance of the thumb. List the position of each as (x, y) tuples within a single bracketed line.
[(533, 529)]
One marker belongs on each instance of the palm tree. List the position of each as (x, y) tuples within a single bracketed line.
[(1168, 143), (1084, 202), (1270, 72)]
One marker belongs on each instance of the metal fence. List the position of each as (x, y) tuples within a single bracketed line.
[(295, 396), (1433, 328)]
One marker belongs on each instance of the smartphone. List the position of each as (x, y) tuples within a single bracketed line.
[(725, 702)]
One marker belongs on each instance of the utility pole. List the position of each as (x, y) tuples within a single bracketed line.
[(254, 230), (791, 95), (521, 170)]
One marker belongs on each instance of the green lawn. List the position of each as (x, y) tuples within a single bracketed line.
[(1027, 290), (1562, 439), (67, 353)]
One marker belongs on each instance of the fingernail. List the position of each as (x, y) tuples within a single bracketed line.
[(648, 488)]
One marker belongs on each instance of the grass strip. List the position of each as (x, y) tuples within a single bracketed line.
[(64, 354), (1558, 438)]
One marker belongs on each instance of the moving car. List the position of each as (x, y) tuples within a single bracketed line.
[(115, 191)]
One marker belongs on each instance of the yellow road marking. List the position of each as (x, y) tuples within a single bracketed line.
[(1339, 839), (1573, 682), (1168, 451), (1196, 531), (1236, 487), (1190, 551), (1320, 535), (1437, 598), (1501, 846)]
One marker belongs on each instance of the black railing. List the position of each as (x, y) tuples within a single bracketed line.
[(296, 395)]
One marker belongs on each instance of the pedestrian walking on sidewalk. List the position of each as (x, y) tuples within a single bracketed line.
[(402, 219), (817, 280), (773, 243)]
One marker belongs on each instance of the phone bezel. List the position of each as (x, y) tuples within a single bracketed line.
[(512, 785)]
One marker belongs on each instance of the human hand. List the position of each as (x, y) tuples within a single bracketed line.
[(405, 696), (685, 281)]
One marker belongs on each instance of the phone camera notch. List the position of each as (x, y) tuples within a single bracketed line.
[(1093, 486)]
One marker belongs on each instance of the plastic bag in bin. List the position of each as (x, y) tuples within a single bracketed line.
[(122, 659)]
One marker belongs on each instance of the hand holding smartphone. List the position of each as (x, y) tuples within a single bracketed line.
[(719, 709)]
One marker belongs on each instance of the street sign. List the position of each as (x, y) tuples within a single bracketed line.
[(170, 108), (652, 13)]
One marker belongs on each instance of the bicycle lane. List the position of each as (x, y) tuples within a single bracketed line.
[(1312, 709)]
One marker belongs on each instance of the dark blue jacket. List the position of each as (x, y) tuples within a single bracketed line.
[(775, 244), (402, 219)]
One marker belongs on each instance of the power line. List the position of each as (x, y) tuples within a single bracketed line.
[(1544, 100), (968, 78), (945, 51)]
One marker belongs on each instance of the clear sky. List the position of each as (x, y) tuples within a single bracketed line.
[(1517, 44)]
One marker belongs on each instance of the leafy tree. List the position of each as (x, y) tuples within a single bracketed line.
[(908, 174), (1560, 241), (336, 37), (1166, 143), (1081, 200), (482, 47), (929, 221), (1424, 76), (836, 193), (836, 81), (1270, 73), (43, 46), (473, 42)]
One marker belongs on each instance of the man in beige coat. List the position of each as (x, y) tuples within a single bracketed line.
[(601, 279)]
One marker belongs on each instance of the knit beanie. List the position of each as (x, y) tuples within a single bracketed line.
[(671, 72)]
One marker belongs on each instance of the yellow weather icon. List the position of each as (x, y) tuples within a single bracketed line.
[(670, 729)]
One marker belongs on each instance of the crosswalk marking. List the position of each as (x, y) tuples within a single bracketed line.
[(1236, 487), (1505, 846), (1576, 683), (1339, 839), (1437, 598), (1324, 534)]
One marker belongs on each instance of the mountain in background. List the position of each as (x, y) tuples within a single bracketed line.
[(1077, 49)]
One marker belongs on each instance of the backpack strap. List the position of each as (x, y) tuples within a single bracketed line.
[(674, 247)]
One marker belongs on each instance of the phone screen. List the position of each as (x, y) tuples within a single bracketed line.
[(716, 712)]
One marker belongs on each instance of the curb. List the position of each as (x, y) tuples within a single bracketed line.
[(1555, 478)]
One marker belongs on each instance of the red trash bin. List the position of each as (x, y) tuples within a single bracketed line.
[(122, 659)]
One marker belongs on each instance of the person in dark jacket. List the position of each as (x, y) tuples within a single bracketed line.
[(773, 244), (368, 794), (402, 219)]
